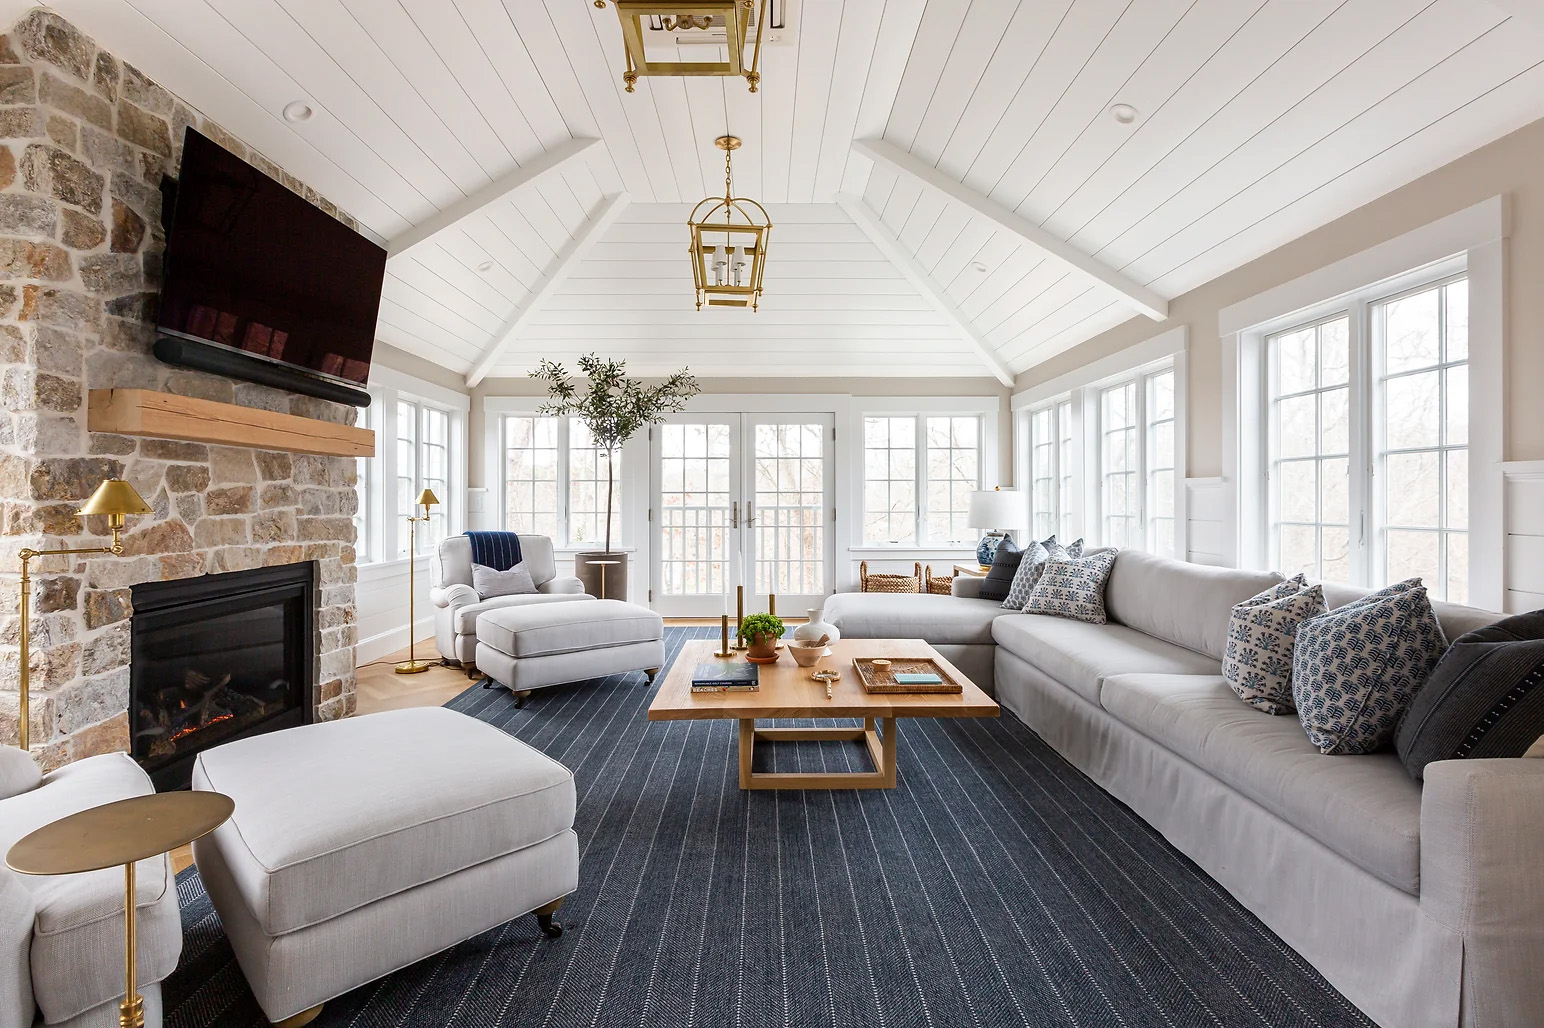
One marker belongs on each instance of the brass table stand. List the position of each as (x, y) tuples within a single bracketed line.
[(117, 833)]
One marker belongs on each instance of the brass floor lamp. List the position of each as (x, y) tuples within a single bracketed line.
[(426, 499), (114, 498)]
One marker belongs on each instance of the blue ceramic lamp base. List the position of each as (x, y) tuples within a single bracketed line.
[(987, 548)]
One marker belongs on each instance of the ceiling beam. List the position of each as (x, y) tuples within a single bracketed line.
[(891, 247), (562, 266), (1133, 295), (527, 174)]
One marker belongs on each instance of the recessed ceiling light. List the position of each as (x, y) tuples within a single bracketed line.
[(298, 110), (1124, 113), (978, 266), (485, 266)]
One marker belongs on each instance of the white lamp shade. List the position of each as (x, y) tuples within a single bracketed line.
[(997, 508)]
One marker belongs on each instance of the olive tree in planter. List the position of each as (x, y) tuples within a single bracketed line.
[(614, 408)]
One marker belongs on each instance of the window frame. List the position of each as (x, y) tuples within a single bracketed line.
[(562, 538), (919, 416)]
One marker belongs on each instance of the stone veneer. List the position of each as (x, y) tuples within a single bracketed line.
[(84, 141)]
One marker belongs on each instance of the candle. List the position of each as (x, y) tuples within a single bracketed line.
[(723, 649), (772, 604), (739, 615)]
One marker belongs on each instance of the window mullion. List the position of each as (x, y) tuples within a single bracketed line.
[(1366, 482), (919, 474)]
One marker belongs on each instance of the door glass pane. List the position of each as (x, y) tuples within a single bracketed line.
[(694, 509), (788, 483)]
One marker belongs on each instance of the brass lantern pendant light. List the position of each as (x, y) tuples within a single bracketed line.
[(734, 17), (729, 242)]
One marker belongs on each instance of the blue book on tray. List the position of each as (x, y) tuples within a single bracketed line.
[(726, 676)]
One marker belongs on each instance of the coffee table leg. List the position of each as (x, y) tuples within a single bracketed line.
[(747, 747)]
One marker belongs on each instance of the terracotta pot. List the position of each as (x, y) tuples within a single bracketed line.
[(762, 647)]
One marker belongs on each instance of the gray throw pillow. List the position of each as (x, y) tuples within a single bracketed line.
[(18, 772), (1257, 663), (1005, 564), (1030, 570), (1356, 669), (1073, 588), (490, 583), (1485, 699)]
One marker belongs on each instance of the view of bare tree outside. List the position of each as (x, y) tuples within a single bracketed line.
[(587, 488), (889, 481), (788, 465), (927, 502), (1310, 444), (695, 518), (1119, 501), (953, 473), (407, 470), (531, 475), (1159, 499), (1424, 452), (433, 470), (1042, 472)]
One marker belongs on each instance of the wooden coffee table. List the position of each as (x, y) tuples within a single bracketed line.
[(787, 691)]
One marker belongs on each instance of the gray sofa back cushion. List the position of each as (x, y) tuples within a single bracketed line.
[(1179, 602), (1455, 618)]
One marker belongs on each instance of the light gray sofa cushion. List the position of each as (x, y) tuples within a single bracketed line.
[(19, 773), (546, 630), (1080, 655), (1179, 602), (1364, 808), (954, 620), (16, 914), (411, 796), (465, 618)]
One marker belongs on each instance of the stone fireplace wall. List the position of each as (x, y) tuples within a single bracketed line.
[(84, 141)]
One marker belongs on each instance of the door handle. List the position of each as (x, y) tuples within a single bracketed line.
[(750, 512), (734, 514)]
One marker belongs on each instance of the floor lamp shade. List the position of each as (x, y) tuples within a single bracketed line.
[(998, 512)]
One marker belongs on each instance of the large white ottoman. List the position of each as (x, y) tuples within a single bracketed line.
[(363, 845), (527, 648)]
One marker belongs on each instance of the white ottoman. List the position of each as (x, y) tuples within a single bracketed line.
[(526, 648), (363, 845)]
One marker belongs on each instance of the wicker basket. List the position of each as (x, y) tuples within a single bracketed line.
[(868, 583), (942, 585)]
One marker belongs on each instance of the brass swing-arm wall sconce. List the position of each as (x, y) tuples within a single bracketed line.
[(116, 499)]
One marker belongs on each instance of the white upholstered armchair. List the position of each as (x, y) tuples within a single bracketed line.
[(457, 604)]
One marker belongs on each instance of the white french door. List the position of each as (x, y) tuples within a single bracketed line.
[(741, 499)]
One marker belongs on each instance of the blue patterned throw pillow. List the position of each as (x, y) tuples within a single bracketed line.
[(1258, 660), (1356, 668), (1073, 588), (1030, 570)]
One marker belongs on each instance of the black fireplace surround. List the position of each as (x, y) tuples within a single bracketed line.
[(218, 658)]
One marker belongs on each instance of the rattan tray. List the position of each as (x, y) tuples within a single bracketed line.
[(884, 681)]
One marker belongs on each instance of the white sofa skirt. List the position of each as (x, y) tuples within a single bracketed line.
[(1371, 940)]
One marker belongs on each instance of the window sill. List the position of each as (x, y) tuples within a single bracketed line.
[(945, 550)]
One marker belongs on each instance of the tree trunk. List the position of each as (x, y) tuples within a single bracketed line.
[(610, 474)]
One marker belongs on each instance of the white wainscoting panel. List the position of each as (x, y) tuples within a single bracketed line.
[(1205, 525), (1524, 491), (382, 610)]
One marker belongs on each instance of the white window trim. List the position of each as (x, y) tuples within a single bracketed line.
[(1082, 387), (1472, 240), (986, 407), (622, 541)]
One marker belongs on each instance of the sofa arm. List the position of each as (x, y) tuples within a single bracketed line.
[(561, 585), (16, 916), (1481, 822), (453, 596), (967, 586)]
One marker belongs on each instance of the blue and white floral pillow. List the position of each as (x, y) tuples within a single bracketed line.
[(1073, 588), (1356, 669), (1258, 660), (1036, 557)]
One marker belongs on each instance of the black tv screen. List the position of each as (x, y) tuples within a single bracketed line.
[(253, 266)]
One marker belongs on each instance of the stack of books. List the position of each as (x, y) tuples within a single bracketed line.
[(726, 676)]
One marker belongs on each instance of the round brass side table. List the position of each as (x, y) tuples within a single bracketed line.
[(121, 833)]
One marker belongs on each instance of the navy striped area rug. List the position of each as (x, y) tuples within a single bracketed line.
[(995, 885)]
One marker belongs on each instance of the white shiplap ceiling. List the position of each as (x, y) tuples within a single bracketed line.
[(1257, 121)]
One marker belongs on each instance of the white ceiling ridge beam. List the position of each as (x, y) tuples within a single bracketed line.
[(562, 266), (907, 265), (1130, 293), (527, 174)]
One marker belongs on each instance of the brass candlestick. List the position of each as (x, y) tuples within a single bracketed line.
[(114, 498), (739, 616), (723, 647), (412, 666)]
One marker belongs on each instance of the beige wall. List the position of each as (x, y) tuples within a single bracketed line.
[(389, 356), (1513, 165), (811, 386)]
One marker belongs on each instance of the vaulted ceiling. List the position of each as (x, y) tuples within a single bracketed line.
[(1004, 216)]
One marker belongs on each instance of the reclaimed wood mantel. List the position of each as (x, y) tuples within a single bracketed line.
[(144, 412)]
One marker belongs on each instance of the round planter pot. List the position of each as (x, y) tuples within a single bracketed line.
[(603, 581), (762, 647)]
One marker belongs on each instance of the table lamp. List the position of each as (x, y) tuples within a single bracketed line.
[(999, 511), (115, 498), (426, 499)]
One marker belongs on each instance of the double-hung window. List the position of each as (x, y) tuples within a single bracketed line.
[(555, 481), (1367, 441), (918, 474), (407, 471), (1053, 478), (1134, 440), (433, 473)]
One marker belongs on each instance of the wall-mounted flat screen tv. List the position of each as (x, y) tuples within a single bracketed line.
[(252, 266)]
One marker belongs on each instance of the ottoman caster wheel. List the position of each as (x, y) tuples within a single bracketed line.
[(487, 683), (521, 697), (550, 928), (303, 1018), (651, 672)]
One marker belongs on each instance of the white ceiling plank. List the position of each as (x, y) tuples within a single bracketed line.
[(982, 37), (1138, 297), (572, 254), (495, 34), (919, 280), (855, 46), (490, 291), (812, 89), (892, 47), (527, 174), (808, 295), (480, 239)]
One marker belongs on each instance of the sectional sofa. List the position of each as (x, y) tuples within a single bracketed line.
[(1423, 904)]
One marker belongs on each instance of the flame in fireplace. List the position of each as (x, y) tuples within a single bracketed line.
[(199, 727)]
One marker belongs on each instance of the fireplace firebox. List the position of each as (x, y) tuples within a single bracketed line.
[(218, 658)]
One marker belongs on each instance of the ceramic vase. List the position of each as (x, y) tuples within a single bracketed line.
[(815, 627)]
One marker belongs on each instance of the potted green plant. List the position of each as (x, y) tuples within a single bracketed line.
[(761, 633), (613, 408)]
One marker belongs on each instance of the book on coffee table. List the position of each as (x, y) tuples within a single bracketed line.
[(738, 676)]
